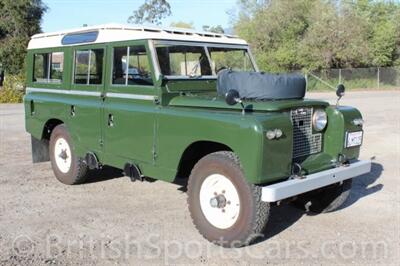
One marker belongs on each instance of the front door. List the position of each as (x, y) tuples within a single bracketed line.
[(129, 105)]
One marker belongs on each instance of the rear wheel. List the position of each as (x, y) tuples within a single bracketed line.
[(224, 207), (67, 167), (325, 199)]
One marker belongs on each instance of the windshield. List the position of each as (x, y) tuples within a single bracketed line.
[(230, 58), (194, 61)]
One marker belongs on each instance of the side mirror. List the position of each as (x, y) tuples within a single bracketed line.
[(340, 89), (232, 97)]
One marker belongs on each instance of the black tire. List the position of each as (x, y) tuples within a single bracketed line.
[(78, 169), (253, 213), (326, 199)]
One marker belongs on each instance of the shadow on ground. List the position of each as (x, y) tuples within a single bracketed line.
[(362, 185), (282, 217), (104, 174)]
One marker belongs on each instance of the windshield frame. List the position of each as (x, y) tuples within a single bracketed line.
[(153, 43)]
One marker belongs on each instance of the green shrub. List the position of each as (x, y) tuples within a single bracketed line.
[(13, 89)]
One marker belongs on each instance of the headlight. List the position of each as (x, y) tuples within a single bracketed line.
[(320, 119)]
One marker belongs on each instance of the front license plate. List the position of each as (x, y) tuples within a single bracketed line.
[(354, 139)]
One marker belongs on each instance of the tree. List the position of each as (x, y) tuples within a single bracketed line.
[(152, 11), (383, 30), (334, 39), (215, 29), (19, 20), (181, 24), (274, 29), (314, 34)]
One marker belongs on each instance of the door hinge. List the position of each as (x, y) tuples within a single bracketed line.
[(154, 153)]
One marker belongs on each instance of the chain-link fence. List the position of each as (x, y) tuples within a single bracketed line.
[(355, 78)]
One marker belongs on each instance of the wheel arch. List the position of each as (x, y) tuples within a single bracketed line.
[(49, 126), (194, 152)]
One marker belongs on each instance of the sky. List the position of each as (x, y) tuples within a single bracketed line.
[(65, 14)]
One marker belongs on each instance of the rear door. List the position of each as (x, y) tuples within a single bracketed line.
[(129, 117), (87, 86)]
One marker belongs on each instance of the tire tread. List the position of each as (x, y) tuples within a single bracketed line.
[(261, 209), (81, 168)]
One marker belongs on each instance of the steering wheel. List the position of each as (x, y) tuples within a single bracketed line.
[(220, 69)]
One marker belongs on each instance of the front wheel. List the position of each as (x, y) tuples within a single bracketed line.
[(224, 207), (67, 167)]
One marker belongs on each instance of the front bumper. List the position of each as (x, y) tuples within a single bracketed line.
[(293, 187)]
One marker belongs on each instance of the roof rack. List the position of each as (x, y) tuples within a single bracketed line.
[(121, 32), (144, 28)]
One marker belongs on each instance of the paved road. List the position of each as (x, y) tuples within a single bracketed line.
[(114, 221)]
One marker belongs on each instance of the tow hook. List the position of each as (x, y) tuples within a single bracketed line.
[(296, 172), (342, 160)]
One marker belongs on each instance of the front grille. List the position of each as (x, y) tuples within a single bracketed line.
[(304, 141)]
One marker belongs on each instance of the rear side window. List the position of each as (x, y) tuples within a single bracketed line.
[(88, 68), (131, 66), (48, 67)]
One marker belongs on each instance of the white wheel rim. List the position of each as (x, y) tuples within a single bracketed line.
[(218, 188), (62, 155)]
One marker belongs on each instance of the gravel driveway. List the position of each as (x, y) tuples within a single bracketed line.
[(111, 220)]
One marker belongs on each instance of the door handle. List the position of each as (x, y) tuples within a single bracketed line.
[(72, 113), (110, 120), (102, 96), (32, 107)]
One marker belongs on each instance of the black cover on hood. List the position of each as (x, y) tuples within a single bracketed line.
[(262, 86)]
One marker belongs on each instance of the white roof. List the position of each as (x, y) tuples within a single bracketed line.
[(121, 32)]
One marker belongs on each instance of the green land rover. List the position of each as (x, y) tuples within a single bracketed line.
[(175, 105)]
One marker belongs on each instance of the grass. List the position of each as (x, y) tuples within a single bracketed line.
[(354, 84)]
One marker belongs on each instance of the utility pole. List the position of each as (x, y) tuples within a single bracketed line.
[(378, 79), (1, 75)]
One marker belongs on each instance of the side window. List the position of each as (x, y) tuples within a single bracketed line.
[(48, 67), (88, 66), (57, 67), (40, 67), (131, 66), (183, 60)]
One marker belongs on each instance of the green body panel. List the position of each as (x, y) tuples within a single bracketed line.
[(276, 159), (339, 123), (180, 127), (154, 134)]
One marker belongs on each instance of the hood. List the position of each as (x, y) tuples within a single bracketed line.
[(211, 102)]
